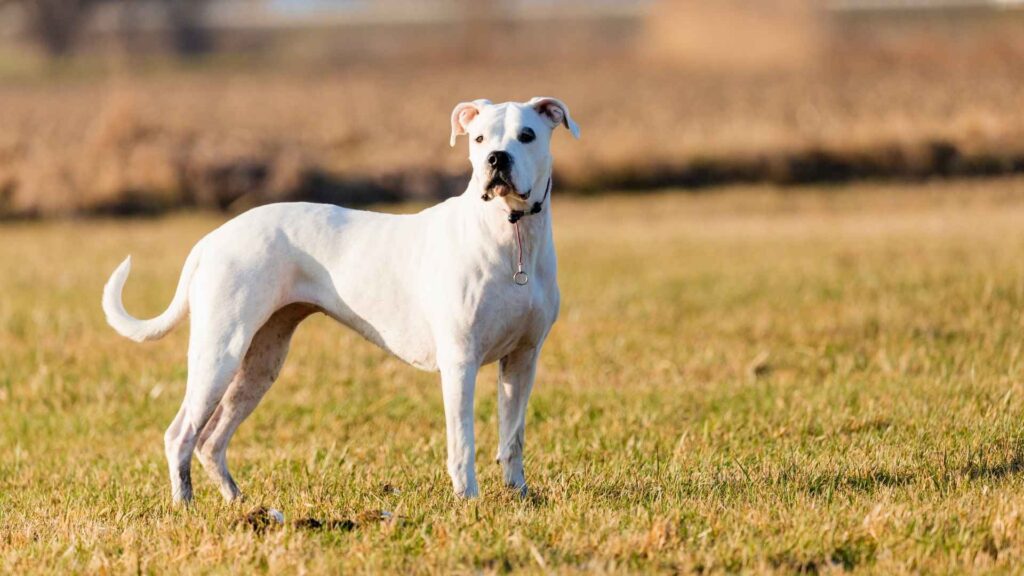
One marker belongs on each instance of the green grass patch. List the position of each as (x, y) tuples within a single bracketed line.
[(747, 381)]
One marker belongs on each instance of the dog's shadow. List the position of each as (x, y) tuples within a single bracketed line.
[(535, 498)]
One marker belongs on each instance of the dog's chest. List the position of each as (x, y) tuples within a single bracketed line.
[(507, 316), (476, 308)]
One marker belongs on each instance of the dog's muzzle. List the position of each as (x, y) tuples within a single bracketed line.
[(499, 182)]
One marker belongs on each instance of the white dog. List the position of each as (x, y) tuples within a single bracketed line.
[(462, 284)]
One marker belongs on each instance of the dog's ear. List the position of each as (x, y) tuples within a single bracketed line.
[(555, 112), (463, 114)]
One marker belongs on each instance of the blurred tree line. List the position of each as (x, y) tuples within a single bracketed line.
[(56, 26)]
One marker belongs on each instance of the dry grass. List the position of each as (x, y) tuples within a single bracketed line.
[(757, 380), (218, 138)]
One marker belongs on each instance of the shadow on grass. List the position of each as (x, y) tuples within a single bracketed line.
[(989, 463), (979, 467), (535, 497), (866, 482), (846, 555)]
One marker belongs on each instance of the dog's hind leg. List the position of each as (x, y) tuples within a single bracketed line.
[(170, 449), (262, 364), (208, 377), (216, 349)]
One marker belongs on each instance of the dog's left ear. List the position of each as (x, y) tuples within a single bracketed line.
[(555, 112), (463, 114)]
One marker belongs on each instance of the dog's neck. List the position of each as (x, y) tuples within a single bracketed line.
[(493, 216)]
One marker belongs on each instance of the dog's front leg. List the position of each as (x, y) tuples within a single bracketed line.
[(458, 383), (515, 381)]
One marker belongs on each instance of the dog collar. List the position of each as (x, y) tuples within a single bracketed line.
[(520, 277), (515, 215)]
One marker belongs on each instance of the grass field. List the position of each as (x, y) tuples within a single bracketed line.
[(746, 380)]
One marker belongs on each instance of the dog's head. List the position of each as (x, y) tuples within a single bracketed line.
[(510, 145)]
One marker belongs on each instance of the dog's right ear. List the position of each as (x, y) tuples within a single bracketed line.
[(463, 114)]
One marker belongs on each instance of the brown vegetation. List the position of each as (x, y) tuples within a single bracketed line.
[(736, 35), (226, 137)]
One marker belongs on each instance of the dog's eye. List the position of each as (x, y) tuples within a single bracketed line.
[(479, 138), (526, 136)]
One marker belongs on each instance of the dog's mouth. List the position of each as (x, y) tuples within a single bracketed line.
[(501, 185)]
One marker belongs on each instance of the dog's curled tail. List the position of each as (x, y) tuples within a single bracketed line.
[(155, 328)]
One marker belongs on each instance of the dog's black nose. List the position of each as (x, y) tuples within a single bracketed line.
[(499, 160)]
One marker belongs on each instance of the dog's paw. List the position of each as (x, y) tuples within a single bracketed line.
[(468, 494), (521, 490), (517, 485), (514, 476), (470, 491)]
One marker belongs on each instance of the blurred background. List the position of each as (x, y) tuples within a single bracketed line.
[(145, 106)]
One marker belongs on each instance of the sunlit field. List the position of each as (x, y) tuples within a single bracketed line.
[(761, 379)]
